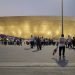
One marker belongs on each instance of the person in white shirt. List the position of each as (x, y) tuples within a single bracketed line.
[(61, 45)]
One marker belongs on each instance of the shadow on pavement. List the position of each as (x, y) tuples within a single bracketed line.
[(36, 50), (73, 49), (61, 62), (27, 48)]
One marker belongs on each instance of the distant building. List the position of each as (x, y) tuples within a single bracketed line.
[(46, 26)]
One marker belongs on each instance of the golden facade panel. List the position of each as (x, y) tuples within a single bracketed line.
[(46, 26)]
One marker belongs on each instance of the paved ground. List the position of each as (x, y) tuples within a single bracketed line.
[(27, 55), (37, 71), (21, 60)]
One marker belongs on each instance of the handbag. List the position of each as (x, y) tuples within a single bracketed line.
[(54, 51)]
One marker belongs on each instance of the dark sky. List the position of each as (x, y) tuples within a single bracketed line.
[(36, 7)]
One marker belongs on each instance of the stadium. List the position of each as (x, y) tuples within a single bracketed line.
[(46, 26)]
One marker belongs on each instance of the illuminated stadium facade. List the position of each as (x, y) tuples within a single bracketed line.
[(46, 26)]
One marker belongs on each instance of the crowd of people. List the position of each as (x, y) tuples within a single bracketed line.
[(70, 42), (40, 41), (35, 41), (61, 43), (10, 40)]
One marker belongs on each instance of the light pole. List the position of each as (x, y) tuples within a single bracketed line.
[(62, 17)]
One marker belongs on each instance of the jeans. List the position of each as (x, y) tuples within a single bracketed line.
[(62, 51)]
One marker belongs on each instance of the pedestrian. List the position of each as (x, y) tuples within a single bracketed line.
[(39, 45), (61, 46), (73, 42), (32, 41), (69, 40)]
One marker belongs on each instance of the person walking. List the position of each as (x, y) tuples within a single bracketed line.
[(61, 46), (38, 41), (69, 40), (32, 41), (73, 42)]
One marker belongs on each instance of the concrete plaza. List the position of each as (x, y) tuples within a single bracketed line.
[(25, 55), (21, 60)]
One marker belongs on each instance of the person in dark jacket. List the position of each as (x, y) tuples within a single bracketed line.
[(38, 41), (73, 42), (32, 41)]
